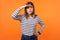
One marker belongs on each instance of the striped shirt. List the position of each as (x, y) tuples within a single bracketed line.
[(28, 26)]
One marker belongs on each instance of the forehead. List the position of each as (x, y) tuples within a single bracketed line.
[(29, 6)]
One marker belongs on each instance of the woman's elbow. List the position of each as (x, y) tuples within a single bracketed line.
[(43, 25), (13, 17)]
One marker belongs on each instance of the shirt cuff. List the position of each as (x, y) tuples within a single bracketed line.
[(39, 33)]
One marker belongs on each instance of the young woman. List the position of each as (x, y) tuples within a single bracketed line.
[(29, 20)]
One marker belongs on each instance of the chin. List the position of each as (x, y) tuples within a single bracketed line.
[(30, 13)]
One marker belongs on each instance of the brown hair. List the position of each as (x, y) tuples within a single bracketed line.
[(33, 13)]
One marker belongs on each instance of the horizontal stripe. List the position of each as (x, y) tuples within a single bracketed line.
[(28, 26)]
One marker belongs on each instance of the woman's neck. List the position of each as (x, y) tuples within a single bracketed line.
[(30, 16)]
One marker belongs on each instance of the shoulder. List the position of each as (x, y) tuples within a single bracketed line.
[(38, 17)]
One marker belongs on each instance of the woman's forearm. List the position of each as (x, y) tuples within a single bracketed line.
[(16, 12)]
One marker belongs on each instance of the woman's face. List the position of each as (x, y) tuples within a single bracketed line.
[(29, 9)]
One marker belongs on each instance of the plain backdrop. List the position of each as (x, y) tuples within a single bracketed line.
[(47, 10)]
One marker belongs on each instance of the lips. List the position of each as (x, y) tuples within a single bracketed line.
[(30, 11)]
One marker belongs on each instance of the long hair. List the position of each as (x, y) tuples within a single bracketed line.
[(33, 13)]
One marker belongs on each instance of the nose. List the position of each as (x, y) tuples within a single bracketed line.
[(29, 8)]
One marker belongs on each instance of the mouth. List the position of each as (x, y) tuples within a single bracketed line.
[(30, 11)]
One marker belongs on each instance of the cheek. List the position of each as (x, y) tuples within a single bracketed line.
[(31, 10), (28, 10)]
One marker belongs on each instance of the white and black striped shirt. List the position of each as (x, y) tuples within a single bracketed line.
[(28, 26)]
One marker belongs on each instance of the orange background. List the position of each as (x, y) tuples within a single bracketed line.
[(48, 10)]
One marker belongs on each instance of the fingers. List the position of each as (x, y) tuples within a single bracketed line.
[(23, 6), (36, 34)]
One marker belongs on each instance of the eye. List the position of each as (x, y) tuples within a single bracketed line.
[(31, 7), (27, 7)]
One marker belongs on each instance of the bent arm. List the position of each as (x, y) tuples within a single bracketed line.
[(42, 25), (15, 14)]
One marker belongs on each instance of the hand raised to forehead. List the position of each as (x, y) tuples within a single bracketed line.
[(28, 5)]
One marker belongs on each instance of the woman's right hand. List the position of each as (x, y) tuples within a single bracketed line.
[(23, 6)]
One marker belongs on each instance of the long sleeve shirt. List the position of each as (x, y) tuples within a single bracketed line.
[(28, 26)]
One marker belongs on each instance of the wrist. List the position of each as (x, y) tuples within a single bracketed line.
[(39, 33)]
